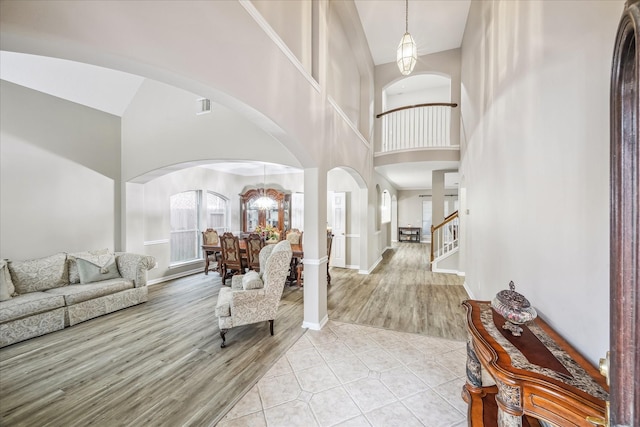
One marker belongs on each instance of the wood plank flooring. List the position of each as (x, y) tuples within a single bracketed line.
[(400, 294), (160, 363)]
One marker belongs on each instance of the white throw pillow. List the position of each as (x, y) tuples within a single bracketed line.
[(74, 276), (97, 268), (251, 280)]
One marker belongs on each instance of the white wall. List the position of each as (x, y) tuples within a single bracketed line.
[(535, 110), (59, 175), (432, 94), (160, 129), (292, 21), (410, 209), (343, 80)]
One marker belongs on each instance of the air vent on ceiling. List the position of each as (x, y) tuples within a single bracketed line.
[(203, 106)]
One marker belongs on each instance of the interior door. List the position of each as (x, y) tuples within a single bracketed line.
[(624, 372), (338, 251)]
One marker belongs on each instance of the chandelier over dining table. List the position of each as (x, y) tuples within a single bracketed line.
[(265, 203)]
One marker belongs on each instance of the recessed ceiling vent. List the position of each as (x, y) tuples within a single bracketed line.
[(203, 106)]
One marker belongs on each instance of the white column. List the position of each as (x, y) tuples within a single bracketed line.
[(437, 196), (315, 249)]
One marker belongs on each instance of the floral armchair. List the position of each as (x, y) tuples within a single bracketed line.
[(255, 297)]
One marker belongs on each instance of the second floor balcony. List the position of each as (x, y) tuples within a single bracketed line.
[(416, 127)]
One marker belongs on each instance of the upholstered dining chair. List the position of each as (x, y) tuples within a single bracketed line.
[(254, 245), (300, 267), (255, 297), (210, 238), (232, 262), (294, 236)]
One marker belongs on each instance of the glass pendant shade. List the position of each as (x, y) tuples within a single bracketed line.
[(407, 54), (264, 203)]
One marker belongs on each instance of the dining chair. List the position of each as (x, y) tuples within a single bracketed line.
[(254, 244), (232, 262), (212, 258), (294, 236)]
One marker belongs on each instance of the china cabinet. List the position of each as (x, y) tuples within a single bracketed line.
[(278, 216)]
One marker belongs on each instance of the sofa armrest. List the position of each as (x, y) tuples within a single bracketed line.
[(134, 267)]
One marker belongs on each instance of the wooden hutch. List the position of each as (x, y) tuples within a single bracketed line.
[(279, 216)]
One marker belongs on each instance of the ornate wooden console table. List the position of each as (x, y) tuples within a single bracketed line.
[(527, 380)]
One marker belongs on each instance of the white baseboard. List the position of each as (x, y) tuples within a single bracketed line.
[(173, 276), (316, 326), (461, 273), (375, 264), (443, 270), (466, 288)]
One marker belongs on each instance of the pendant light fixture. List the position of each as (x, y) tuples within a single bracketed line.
[(407, 53), (264, 203)]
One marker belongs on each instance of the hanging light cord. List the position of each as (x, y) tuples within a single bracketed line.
[(406, 16)]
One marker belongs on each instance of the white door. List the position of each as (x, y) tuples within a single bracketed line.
[(339, 205)]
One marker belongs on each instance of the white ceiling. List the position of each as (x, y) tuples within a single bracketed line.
[(251, 168), (418, 175), (436, 25), (101, 88)]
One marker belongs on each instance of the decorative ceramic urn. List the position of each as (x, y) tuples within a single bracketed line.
[(514, 307)]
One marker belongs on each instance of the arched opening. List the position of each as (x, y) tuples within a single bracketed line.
[(417, 89)]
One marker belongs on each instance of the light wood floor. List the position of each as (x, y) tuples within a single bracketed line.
[(400, 294), (160, 363)]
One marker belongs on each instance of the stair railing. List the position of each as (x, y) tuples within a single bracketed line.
[(444, 236)]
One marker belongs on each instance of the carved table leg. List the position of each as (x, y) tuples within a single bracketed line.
[(474, 369), (509, 396)]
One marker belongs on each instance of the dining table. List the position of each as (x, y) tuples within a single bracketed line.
[(296, 256)]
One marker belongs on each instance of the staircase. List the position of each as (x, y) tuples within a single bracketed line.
[(444, 245)]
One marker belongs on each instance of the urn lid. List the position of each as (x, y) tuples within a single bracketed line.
[(513, 299)]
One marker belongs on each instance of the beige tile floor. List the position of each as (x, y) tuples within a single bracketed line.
[(353, 375)]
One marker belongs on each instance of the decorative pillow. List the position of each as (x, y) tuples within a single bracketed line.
[(39, 274), (251, 280), (7, 290), (74, 276), (97, 268)]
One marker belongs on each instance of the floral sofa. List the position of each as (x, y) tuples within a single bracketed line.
[(48, 294)]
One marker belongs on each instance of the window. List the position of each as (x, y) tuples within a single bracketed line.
[(216, 213), (386, 207), (378, 211), (297, 211), (184, 235)]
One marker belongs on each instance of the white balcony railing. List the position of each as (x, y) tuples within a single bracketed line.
[(417, 126)]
